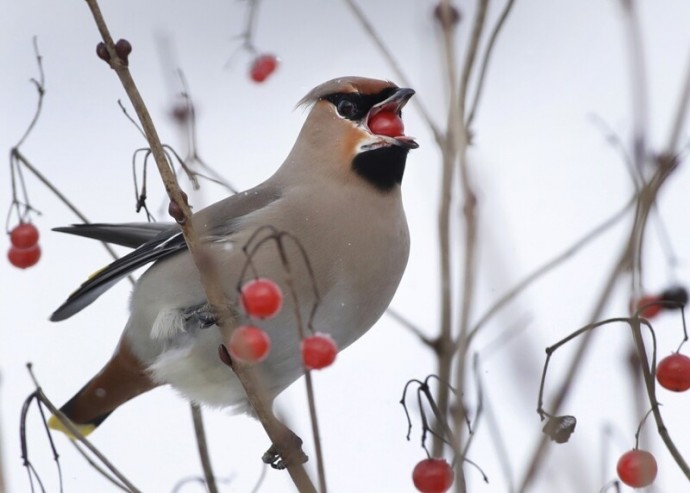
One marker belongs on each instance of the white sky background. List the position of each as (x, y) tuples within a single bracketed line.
[(544, 173)]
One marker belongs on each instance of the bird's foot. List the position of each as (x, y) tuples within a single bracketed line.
[(198, 317), (296, 455)]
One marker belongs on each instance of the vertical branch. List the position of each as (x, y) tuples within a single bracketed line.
[(645, 201), (198, 420), (468, 215), (639, 110), (650, 386), (485, 61), (210, 280), (448, 152), (680, 117)]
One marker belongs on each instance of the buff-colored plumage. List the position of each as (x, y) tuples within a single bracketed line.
[(352, 228)]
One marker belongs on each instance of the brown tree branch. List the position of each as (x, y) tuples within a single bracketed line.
[(208, 274), (202, 446)]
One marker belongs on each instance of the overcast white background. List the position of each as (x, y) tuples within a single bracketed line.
[(545, 176)]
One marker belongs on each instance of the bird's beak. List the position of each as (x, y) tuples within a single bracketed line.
[(394, 104)]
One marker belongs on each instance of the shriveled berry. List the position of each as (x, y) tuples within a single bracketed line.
[(180, 112), (102, 52), (447, 14), (123, 48), (675, 294), (175, 210)]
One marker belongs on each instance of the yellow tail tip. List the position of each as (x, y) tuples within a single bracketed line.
[(55, 424)]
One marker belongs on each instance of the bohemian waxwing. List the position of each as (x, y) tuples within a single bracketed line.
[(338, 192)]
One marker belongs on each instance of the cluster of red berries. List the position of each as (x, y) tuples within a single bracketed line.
[(24, 251), (432, 476), (262, 299)]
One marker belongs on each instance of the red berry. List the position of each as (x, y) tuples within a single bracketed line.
[(432, 476), (637, 468), (249, 344), (673, 372), (24, 257), (318, 351), (386, 123), (24, 235), (649, 306), (262, 298), (262, 67)]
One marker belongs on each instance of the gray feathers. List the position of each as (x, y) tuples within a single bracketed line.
[(156, 241)]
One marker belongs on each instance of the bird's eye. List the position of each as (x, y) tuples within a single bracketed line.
[(347, 108)]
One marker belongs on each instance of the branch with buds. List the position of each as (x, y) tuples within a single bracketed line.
[(116, 55)]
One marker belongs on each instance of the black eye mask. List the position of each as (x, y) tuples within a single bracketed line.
[(355, 106)]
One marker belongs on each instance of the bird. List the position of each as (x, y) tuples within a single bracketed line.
[(338, 194)]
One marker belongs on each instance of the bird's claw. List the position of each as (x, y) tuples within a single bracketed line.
[(273, 458), (199, 317)]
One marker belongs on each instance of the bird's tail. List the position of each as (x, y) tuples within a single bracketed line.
[(121, 379)]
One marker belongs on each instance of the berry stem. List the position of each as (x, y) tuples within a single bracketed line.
[(651, 393)]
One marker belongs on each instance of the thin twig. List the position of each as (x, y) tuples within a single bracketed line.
[(202, 446), (472, 50), (445, 348), (549, 266), (74, 431), (398, 317), (680, 116), (485, 60), (644, 202), (40, 87), (469, 218), (651, 393), (62, 197), (498, 442), (388, 55)]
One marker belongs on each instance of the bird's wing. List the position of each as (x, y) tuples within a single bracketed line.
[(165, 244), (219, 219), (131, 235)]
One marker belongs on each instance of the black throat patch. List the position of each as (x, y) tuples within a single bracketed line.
[(383, 167)]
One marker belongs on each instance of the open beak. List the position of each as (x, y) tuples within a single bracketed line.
[(394, 104)]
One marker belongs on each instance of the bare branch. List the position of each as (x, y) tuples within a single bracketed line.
[(388, 55), (202, 446), (485, 61), (209, 275)]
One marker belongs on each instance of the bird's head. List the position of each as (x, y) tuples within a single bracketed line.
[(355, 125)]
